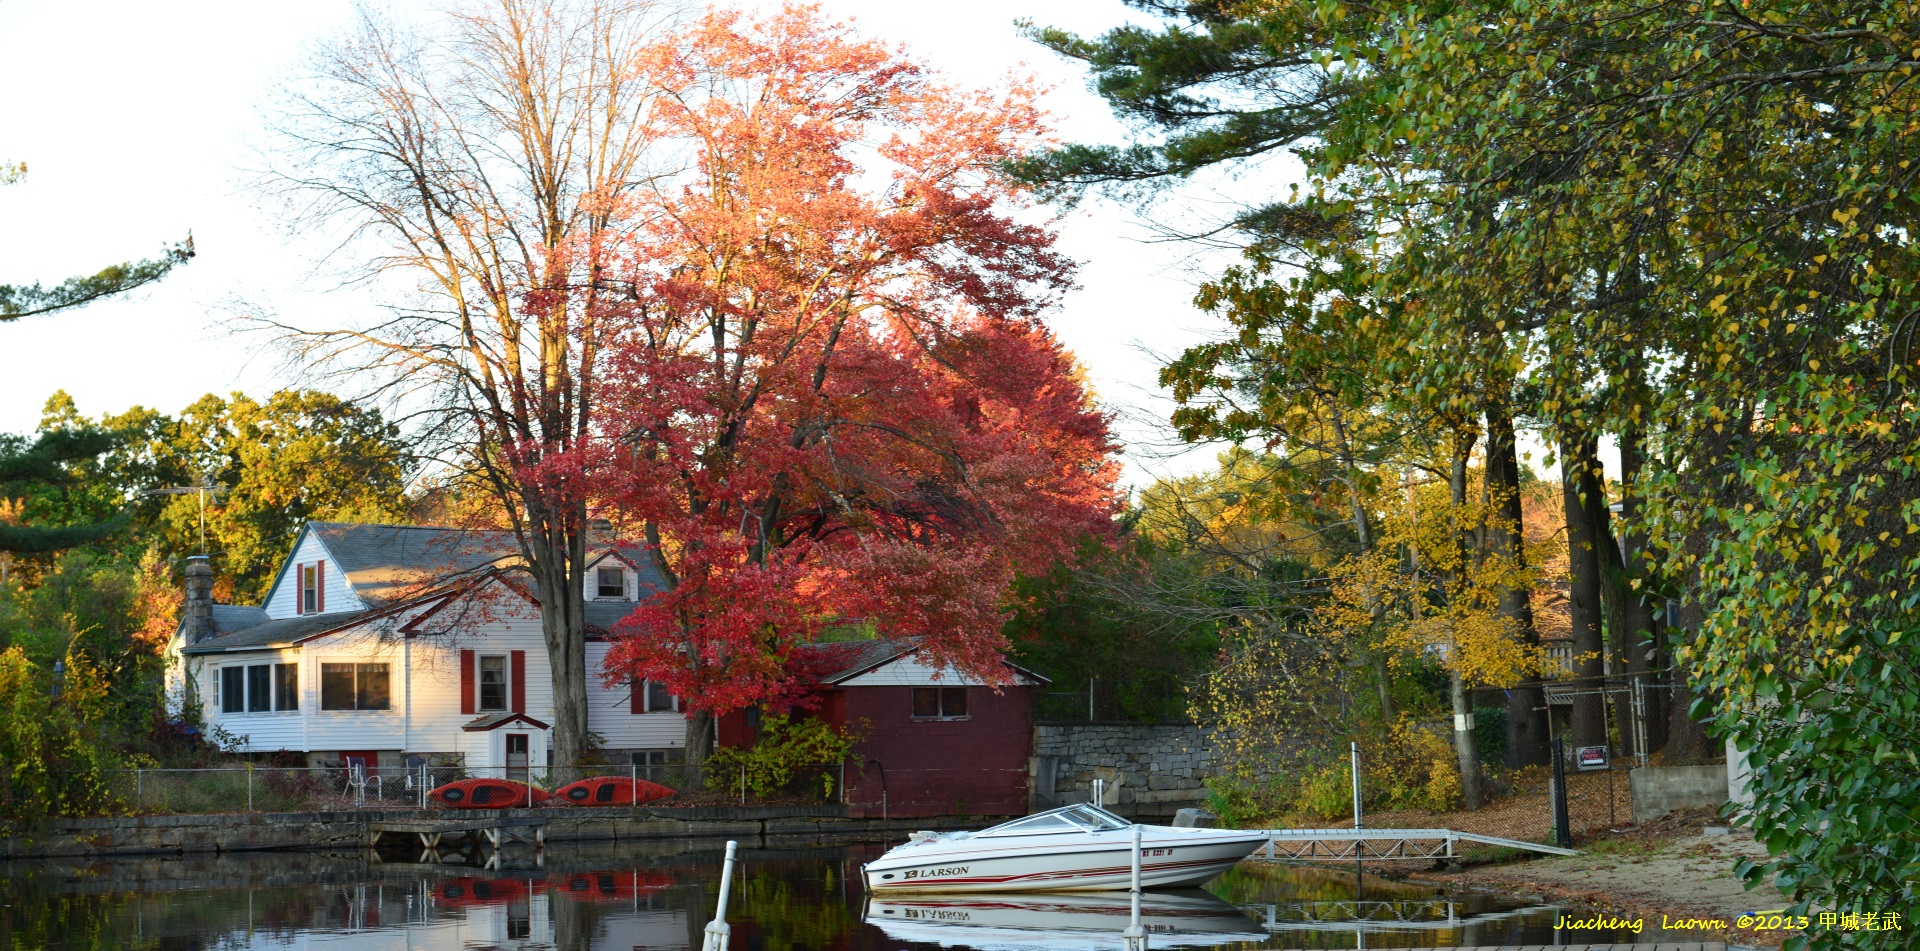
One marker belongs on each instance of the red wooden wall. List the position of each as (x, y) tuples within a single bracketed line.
[(976, 766)]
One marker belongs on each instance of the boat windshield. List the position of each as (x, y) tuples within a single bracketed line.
[(1080, 818)]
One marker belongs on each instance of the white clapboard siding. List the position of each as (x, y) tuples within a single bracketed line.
[(909, 672), (263, 732), (357, 729), (609, 712), (281, 601), (509, 625)]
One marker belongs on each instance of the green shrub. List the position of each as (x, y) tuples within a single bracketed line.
[(769, 766)]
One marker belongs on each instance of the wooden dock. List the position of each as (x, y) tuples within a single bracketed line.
[(493, 830)]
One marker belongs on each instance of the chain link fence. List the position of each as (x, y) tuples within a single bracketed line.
[(357, 787)]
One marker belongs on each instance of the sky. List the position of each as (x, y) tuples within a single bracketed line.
[(139, 123)]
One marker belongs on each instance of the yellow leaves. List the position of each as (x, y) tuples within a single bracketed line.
[(1814, 365), (1718, 305), (1819, 259)]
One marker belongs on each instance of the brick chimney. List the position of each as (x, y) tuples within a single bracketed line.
[(196, 618)]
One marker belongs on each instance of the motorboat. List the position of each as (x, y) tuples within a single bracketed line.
[(1189, 918), (1080, 847)]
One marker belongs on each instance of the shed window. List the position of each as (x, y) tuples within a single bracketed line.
[(354, 687), (939, 703), (493, 683), (612, 583)]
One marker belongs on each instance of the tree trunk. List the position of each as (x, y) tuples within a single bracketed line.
[(558, 547), (1583, 495), (1687, 740), (1464, 748), (1631, 632), (699, 737), (1527, 727)]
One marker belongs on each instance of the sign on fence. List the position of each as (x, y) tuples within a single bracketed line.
[(1590, 757)]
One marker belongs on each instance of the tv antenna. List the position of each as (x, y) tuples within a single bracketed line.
[(204, 489)]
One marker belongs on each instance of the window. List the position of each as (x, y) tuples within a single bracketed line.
[(286, 686), (517, 761), (260, 688), (493, 683), (660, 699), (309, 589), (651, 697), (612, 583), (354, 687), (939, 703), (233, 690)]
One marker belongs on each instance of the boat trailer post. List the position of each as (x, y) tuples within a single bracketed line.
[(718, 931), (1135, 937)]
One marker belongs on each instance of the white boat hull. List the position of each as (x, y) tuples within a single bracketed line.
[(1169, 858)]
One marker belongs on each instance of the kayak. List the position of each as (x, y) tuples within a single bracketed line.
[(612, 791), (488, 794)]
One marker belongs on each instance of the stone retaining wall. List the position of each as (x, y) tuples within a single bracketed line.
[(1658, 790), (1150, 769), (144, 835)]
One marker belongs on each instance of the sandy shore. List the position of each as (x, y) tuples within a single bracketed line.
[(1651, 879)]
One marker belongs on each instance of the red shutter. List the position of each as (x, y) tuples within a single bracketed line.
[(320, 586), (466, 681), (519, 681), (300, 588), (637, 703)]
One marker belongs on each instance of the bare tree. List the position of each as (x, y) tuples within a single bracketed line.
[(482, 158)]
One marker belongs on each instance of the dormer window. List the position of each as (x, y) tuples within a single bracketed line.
[(311, 594), (612, 583)]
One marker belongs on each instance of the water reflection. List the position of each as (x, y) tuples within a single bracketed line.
[(1187, 918), (659, 895)]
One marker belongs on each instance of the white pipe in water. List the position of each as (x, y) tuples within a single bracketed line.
[(718, 931), (1135, 937)]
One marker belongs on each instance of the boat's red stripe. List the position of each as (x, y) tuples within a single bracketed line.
[(1047, 876)]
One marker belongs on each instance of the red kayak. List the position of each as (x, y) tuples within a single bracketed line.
[(488, 794), (617, 886), (612, 791), (480, 892)]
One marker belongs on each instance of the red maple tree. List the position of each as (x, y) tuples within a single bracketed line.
[(831, 399)]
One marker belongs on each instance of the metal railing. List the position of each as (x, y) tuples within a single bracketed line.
[(258, 788)]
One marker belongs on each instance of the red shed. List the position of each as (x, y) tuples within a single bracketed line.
[(937, 743)]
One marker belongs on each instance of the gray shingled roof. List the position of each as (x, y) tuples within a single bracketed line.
[(383, 562), (603, 615), (843, 659), (228, 618), (271, 633)]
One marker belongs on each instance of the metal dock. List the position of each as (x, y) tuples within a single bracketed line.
[(1327, 845)]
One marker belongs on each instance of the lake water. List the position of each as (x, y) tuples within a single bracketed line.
[(658, 896)]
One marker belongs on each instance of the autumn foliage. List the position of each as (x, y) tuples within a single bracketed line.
[(830, 399)]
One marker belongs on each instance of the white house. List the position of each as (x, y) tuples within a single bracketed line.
[(390, 643)]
